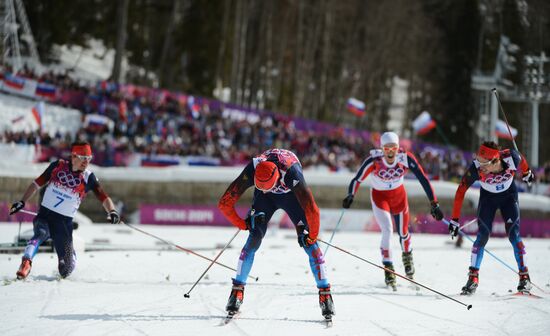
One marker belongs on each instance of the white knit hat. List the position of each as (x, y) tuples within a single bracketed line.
[(389, 137)]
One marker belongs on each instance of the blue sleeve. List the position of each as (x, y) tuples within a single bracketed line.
[(362, 173), (248, 175), (294, 176), (417, 170), (93, 182), (516, 157)]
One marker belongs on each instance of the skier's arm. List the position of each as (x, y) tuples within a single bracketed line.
[(417, 170), (106, 201), (233, 193), (467, 180), (39, 182), (306, 200), (520, 162), (366, 168)]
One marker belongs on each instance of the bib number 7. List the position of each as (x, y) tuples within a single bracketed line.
[(61, 199)]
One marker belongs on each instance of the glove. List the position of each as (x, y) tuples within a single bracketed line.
[(346, 203), (15, 207), (436, 211), (528, 177), (254, 219), (305, 240), (454, 227), (114, 217)]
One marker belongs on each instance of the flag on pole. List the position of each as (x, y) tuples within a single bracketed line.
[(38, 113), (356, 107), (423, 123), (502, 130)]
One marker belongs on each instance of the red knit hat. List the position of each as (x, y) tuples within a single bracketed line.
[(266, 175)]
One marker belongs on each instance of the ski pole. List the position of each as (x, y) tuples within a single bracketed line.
[(183, 248), (492, 255), (335, 229), (28, 212), (397, 274), (212, 263), (468, 224)]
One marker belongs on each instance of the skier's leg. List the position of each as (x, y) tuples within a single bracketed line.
[(61, 229), (261, 204), (289, 203), (41, 234), (485, 216), (510, 215), (384, 220)]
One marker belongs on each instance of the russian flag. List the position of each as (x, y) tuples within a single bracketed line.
[(356, 107), (96, 121), (45, 90), (38, 113), (502, 130), (14, 82), (423, 123)]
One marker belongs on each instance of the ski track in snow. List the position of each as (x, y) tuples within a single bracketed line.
[(141, 292)]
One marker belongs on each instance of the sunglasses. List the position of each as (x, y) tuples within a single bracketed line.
[(391, 149), (87, 158), (483, 164)]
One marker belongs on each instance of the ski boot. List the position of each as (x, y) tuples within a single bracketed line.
[(235, 299), (24, 268), (524, 285), (326, 304), (473, 282), (408, 263), (389, 276)]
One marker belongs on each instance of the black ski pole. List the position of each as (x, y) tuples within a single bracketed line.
[(183, 248), (397, 274), (212, 263)]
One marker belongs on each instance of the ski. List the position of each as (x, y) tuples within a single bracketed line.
[(526, 294)]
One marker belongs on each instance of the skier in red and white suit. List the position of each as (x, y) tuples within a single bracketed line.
[(388, 167)]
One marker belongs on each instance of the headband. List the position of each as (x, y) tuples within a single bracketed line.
[(82, 150), (488, 153)]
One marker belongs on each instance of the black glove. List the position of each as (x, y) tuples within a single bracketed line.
[(15, 207), (454, 227), (436, 211), (346, 203), (114, 216), (305, 240), (528, 177), (253, 219)]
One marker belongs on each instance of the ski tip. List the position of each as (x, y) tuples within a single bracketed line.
[(186, 295), (469, 307)]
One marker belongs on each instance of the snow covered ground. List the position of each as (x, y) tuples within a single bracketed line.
[(139, 290)]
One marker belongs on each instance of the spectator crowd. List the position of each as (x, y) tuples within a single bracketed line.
[(158, 123)]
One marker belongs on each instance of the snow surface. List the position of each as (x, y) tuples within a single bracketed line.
[(138, 289)]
